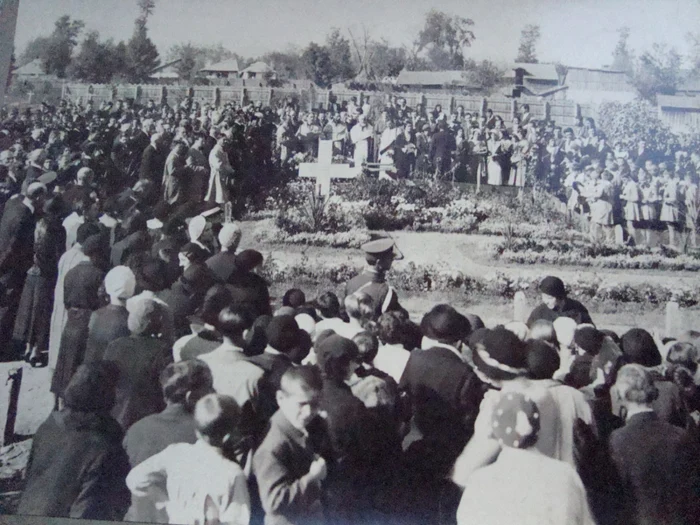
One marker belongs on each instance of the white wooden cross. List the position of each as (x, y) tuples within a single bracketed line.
[(324, 170)]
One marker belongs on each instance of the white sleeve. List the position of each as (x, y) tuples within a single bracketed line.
[(150, 473), (238, 510)]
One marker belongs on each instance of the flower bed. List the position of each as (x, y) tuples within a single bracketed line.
[(581, 253), (349, 239), (376, 205), (415, 278)]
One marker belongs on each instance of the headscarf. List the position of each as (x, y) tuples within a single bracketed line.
[(120, 282)]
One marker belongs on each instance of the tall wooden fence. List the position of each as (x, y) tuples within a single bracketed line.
[(563, 112)]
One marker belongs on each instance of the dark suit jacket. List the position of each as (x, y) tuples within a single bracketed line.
[(442, 146), (140, 361), (16, 241), (77, 468), (352, 447), (223, 265), (152, 165), (281, 466), (445, 396), (182, 304), (250, 290), (156, 432), (106, 325), (658, 469), (274, 365)]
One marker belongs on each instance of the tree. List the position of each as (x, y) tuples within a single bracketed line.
[(485, 75), (385, 60), (623, 58), (141, 53), (528, 42), (191, 57), (338, 48), (447, 35), (287, 64), (146, 8), (56, 51), (35, 49), (633, 121), (97, 61), (694, 52), (317, 64), (658, 72)]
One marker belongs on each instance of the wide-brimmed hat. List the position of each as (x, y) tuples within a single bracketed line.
[(445, 324), (500, 355)]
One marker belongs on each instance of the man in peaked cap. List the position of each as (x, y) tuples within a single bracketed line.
[(379, 254)]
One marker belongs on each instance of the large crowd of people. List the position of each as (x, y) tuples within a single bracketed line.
[(184, 395)]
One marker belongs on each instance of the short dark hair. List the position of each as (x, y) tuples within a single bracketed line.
[(329, 305), (233, 321), (390, 328), (185, 376), (306, 376), (368, 345), (215, 300), (294, 298), (215, 417)]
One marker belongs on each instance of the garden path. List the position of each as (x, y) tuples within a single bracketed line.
[(468, 254)]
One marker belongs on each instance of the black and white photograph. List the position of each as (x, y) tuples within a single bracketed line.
[(332, 262)]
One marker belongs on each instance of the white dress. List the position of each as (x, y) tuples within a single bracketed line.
[(630, 194), (669, 209), (495, 173), (360, 136)]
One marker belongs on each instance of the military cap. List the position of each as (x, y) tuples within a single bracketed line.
[(380, 248)]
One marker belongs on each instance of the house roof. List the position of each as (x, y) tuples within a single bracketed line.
[(166, 70), (227, 66), (258, 67), (35, 67), (670, 101), (431, 78), (536, 71), (598, 79)]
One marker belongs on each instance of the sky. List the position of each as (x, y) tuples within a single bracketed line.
[(574, 32)]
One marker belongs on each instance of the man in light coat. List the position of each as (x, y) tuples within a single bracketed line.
[(221, 172)]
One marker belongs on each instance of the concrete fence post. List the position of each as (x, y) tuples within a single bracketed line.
[(673, 319), (520, 307)]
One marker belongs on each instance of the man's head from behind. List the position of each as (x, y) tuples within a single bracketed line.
[(299, 395), (216, 418), (186, 382), (635, 386)]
